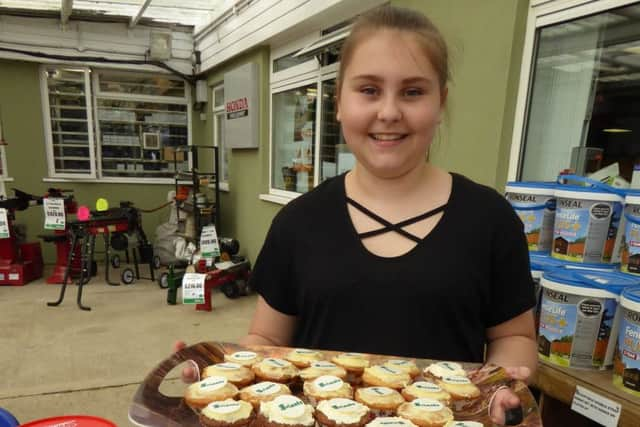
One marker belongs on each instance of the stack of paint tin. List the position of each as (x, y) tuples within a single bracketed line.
[(584, 243)]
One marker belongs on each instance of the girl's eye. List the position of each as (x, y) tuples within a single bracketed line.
[(368, 90), (414, 92)]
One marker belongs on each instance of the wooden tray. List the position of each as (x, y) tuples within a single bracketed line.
[(151, 408)]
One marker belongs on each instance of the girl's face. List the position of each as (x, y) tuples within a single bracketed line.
[(390, 103)]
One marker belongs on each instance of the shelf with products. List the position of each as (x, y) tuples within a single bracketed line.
[(141, 135)]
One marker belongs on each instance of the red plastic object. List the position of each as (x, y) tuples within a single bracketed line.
[(71, 420), (22, 269)]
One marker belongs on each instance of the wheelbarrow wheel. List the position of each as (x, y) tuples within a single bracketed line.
[(163, 280), (115, 261), (127, 276)]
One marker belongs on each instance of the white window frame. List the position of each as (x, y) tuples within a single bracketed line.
[(92, 93), (543, 13), (309, 72), (46, 114), (218, 111)]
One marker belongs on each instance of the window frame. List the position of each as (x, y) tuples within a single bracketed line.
[(543, 13), (46, 114), (307, 73), (219, 111), (93, 93)]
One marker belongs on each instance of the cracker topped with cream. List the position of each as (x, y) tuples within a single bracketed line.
[(288, 410), (342, 411), (382, 375), (244, 358), (425, 412), (234, 372), (201, 393), (302, 357), (326, 387), (226, 413), (274, 369), (322, 367), (444, 369)]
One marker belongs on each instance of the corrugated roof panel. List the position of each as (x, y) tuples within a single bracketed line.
[(193, 12)]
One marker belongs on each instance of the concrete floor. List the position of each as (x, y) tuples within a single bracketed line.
[(62, 360)]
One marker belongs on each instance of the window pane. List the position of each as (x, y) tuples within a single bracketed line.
[(218, 97), (69, 124), (223, 151), (294, 121), (335, 157), (585, 96), (287, 61), (140, 84), (138, 139)]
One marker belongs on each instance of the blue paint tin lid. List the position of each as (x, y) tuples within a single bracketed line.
[(543, 262), (590, 266), (632, 294), (610, 281), (533, 184)]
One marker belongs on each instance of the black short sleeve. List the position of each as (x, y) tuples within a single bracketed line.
[(271, 276), (512, 289)]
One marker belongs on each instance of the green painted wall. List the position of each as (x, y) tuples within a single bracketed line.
[(485, 39), (243, 215), (21, 109)]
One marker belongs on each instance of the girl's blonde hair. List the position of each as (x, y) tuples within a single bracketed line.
[(400, 19)]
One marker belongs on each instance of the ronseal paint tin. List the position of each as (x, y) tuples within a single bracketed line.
[(586, 224), (630, 250), (535, 204), (626, 362), (578, 316)]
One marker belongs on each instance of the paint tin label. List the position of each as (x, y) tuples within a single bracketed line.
[(537, 213)]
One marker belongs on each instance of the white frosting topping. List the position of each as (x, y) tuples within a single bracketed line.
[(288, 410), (342, 411), (265, 388), (305, 352), (464, 424), (212, 384), (443, 369), (228, 410), (323, 365), (352, 360), (429, 405), (244, 355), (276, 363), (227, 366), (456, 380), (398, 362), (377, 391), (426, 386), (390, 422), (327, 383)]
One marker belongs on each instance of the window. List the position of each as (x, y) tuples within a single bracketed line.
[(584, 103), (306, 144), (218, 135), (138, 120)]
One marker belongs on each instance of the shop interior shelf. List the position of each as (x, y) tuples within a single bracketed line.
[(560, 383)]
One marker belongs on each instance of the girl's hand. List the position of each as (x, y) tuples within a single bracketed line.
[(189, 374), (504, 406)]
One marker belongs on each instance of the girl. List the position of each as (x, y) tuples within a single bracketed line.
[(398, 256)]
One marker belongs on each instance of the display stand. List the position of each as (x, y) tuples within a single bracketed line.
[(557, 386)]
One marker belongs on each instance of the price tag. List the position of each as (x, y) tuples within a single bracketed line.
[(598, 408), (193, 288), (209, 246), (4, 224), (54, 218)]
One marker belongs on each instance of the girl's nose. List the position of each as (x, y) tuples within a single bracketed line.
[(389, 110)]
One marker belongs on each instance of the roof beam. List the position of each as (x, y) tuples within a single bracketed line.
[(134, 19), (66, 7)]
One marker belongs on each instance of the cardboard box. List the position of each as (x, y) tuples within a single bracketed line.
[(169, 153)]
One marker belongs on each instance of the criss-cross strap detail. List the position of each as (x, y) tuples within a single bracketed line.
[(388, 226)]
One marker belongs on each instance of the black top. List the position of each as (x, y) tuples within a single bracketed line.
[(469, 273)]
